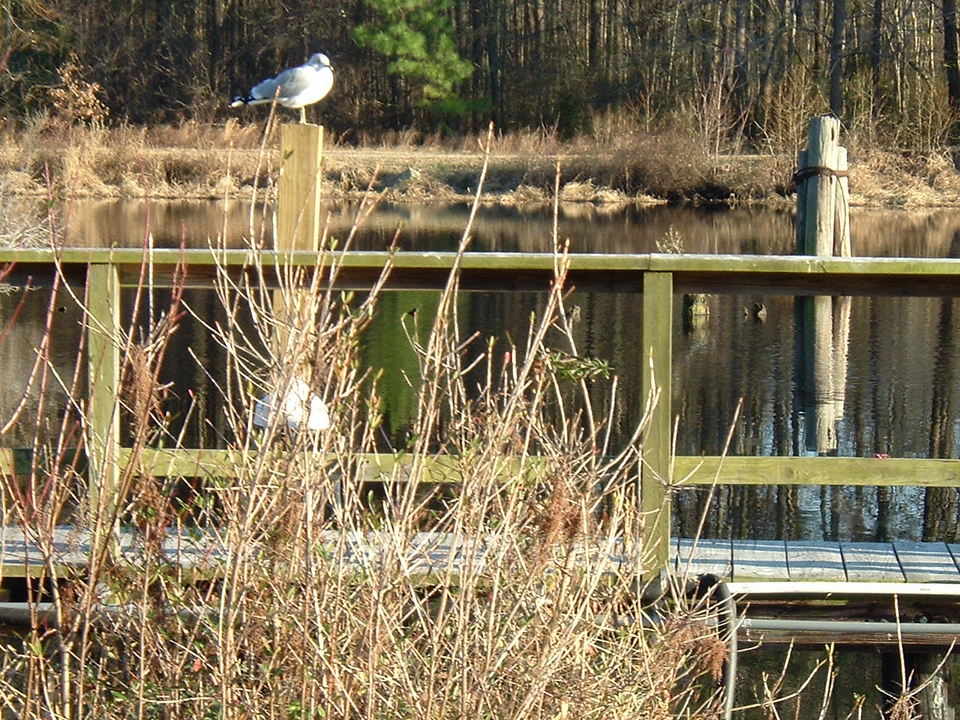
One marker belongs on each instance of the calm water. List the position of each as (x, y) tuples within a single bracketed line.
[(895, 387), (895, 392), (590, 228), (891, 399)]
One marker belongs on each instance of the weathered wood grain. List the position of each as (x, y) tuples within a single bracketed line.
[(188, 462), (872, 568), (102, 325), (926, 562), (811, 470), (871, 562), (298, 206), (656, 363), (820, 189), (759, 559), (809, 560), (778, 275), (704, 556)]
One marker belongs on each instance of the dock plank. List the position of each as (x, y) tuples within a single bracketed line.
[(810, 560), (759, 560), (871, 562), (705, 556), (954, 550), (926, 562), (437, 555)]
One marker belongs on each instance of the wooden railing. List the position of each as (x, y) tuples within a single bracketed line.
[(655, 277)]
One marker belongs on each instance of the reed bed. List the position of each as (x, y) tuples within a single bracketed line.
[(620, 161), (322, 593)]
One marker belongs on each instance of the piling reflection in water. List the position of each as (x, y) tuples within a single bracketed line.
[(823, 337)]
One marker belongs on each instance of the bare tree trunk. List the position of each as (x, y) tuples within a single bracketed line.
[(772, 64), (213, 43), (613, 66), (836, 57), (741, 71), (951, 53), (494, 35), (876, 57), (593, 33)]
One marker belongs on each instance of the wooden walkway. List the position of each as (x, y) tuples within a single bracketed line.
[(433, 553), (803, 593), (818, 561)]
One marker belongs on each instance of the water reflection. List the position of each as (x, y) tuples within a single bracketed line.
[(891, 385), (590, 228)]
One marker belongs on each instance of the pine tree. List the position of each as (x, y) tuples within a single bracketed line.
[(417, 36)]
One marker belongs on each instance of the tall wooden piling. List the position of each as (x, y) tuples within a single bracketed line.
[(823, 196), (298, 202), (823, 229)]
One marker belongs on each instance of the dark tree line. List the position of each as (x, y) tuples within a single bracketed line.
[(729, 70)]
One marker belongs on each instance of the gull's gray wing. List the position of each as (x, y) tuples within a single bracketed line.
[(291, 82)]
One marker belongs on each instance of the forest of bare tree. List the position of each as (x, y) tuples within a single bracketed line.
[(738, 73)]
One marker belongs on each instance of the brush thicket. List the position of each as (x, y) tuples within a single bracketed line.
[(323, 598)]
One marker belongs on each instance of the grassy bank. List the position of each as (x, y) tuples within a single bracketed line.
[(617, 166)]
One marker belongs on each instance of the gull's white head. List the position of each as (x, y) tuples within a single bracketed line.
[(319, 60)]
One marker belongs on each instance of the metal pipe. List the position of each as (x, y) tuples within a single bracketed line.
[(728, 606), (22, 614), (851, 626)]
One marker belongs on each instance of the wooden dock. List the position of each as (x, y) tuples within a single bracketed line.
[(737, 561), (892, 569), (818, 561), (804, 593)]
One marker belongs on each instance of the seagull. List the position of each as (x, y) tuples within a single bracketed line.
[(296, 403), (294, 87)]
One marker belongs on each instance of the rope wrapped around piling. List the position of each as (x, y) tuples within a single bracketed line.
[(821, 170)]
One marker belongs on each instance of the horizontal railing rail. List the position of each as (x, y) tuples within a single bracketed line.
[(687, 470), (657, 277), (767, 274)]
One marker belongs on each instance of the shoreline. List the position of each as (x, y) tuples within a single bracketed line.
[(207, 162)]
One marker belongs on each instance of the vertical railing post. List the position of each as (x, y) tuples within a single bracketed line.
[(657, 364), (102, 325)]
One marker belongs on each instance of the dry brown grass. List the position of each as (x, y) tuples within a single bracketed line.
[(24, 222), (619, 163), (902, 179), (195, 160)]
